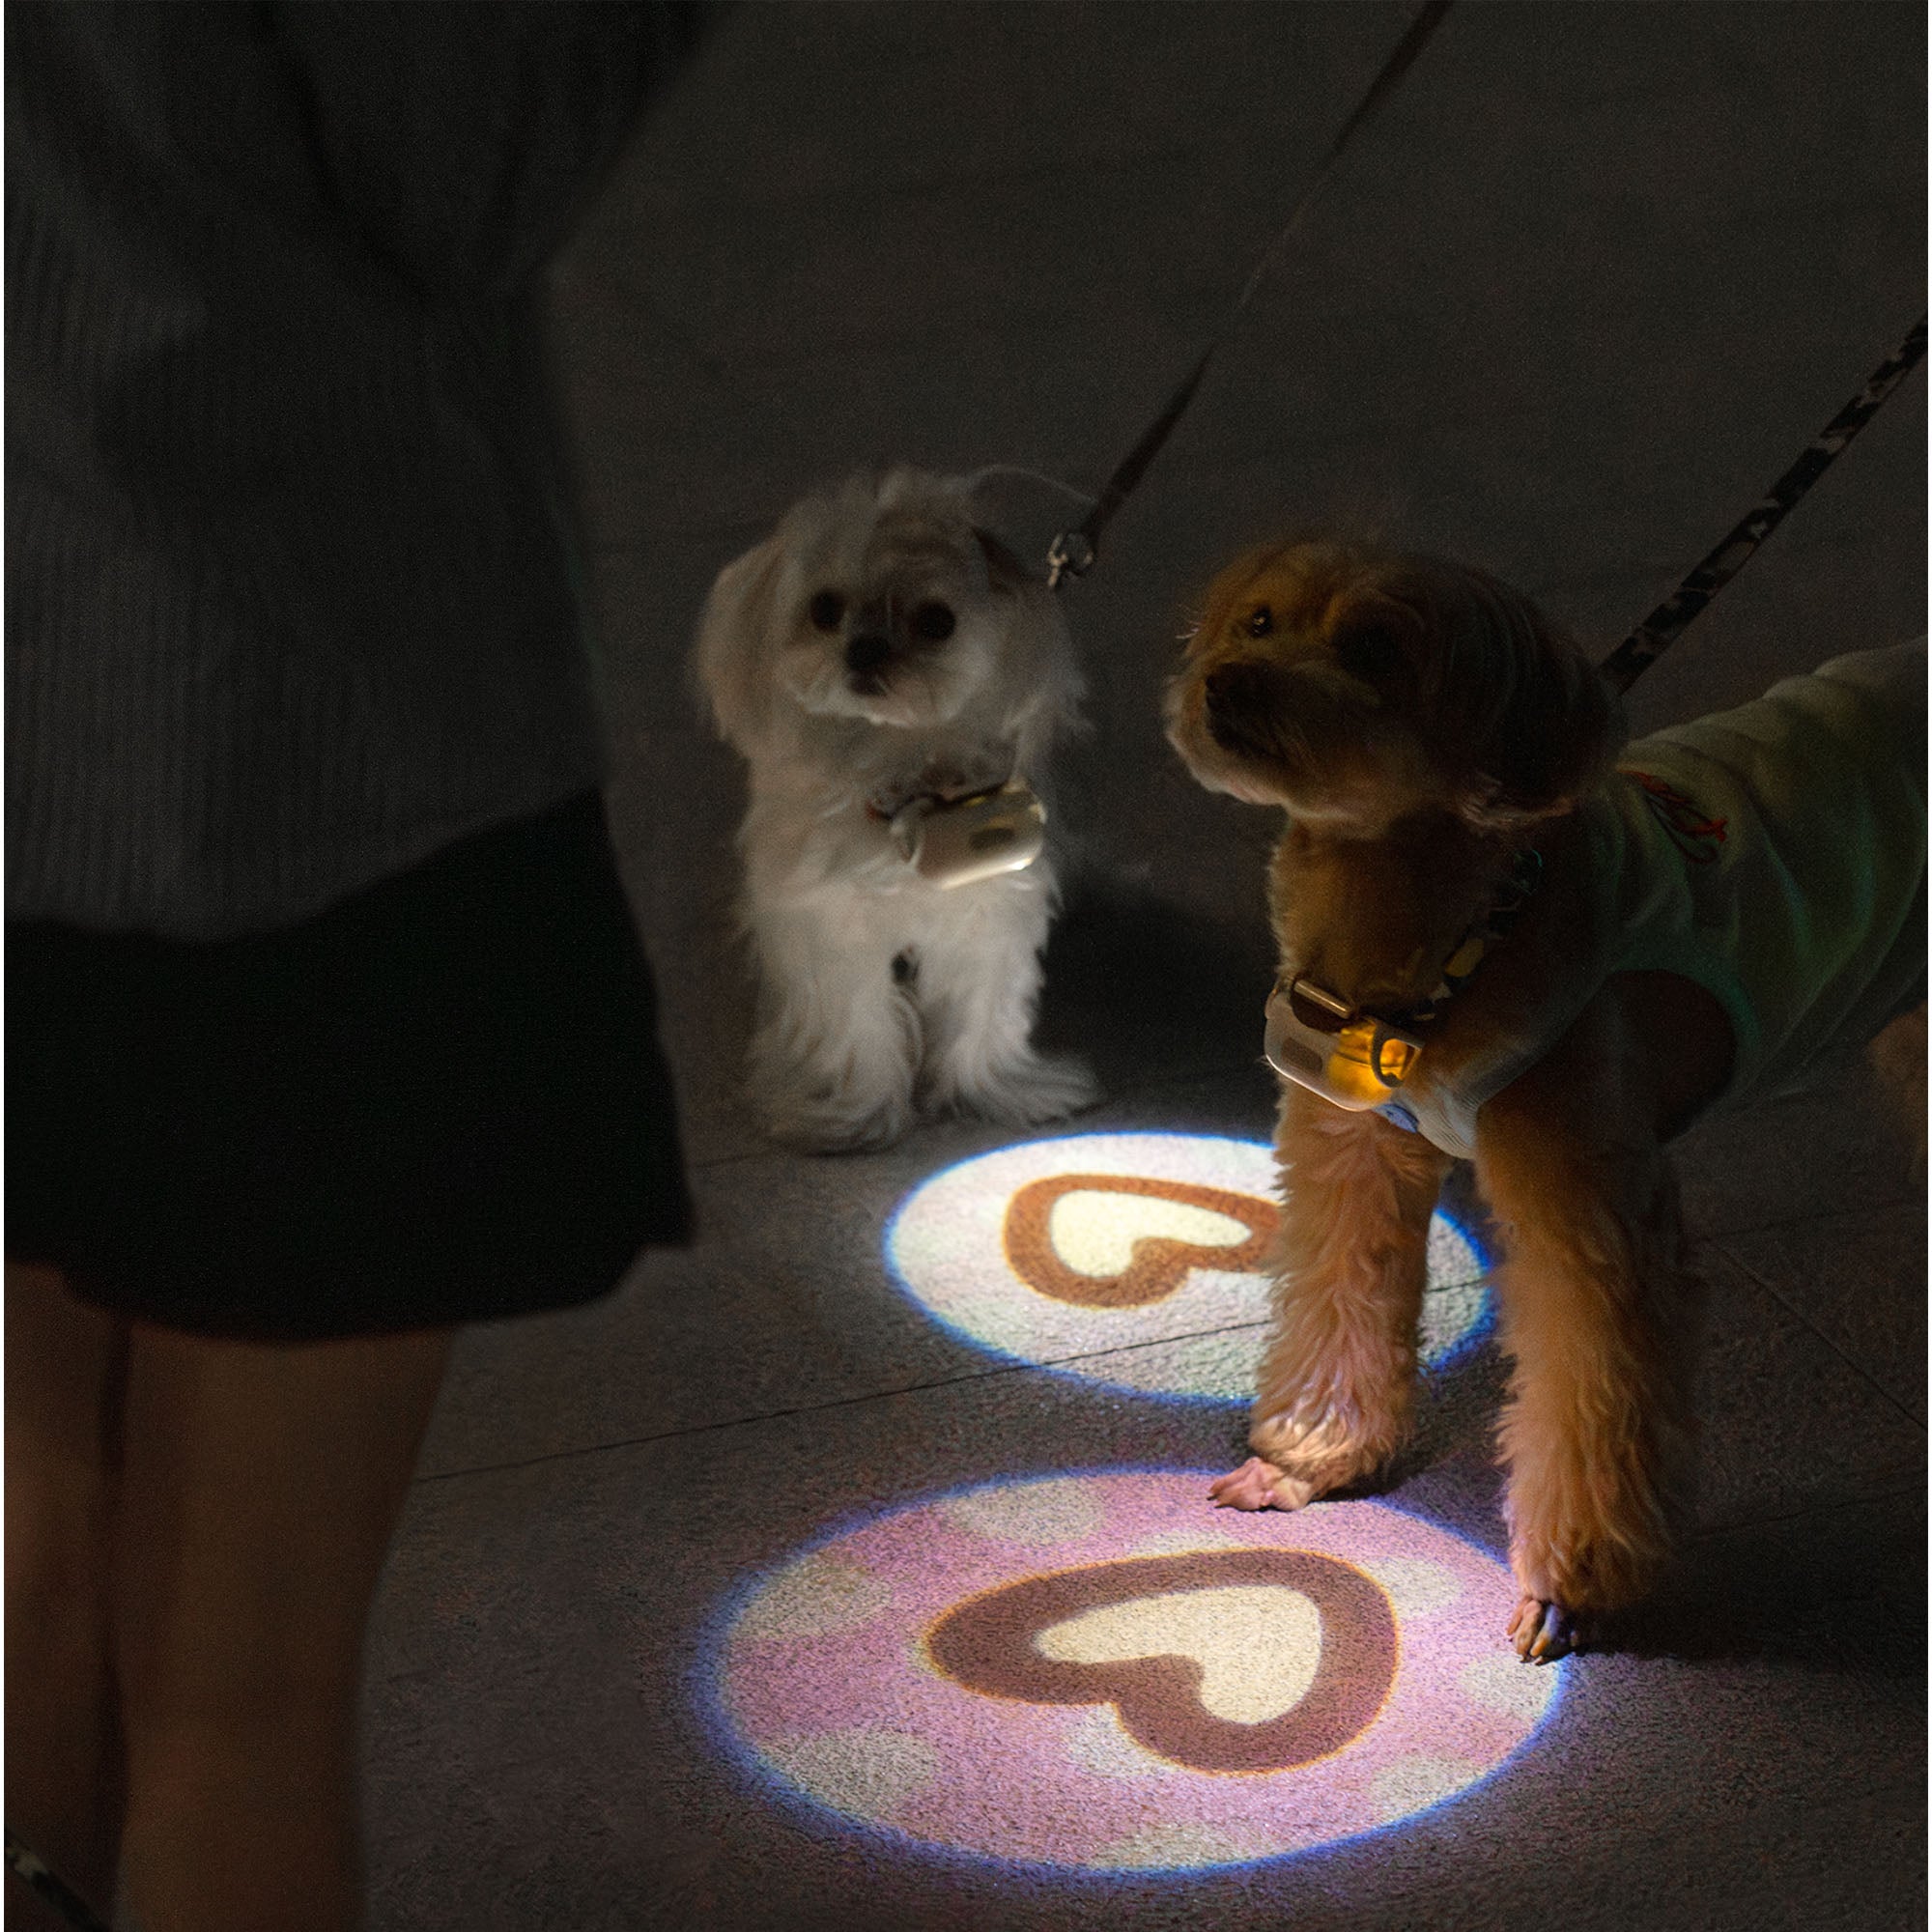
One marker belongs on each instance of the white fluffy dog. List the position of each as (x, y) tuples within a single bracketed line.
[(881, 647)]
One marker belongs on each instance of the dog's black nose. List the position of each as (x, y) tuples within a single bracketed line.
[(1233, 695), (866, 652)]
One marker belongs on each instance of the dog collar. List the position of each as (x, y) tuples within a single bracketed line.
[(1357, 1060), (883, 806)]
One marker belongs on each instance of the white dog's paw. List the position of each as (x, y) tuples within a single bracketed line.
[(1026, 1095), (830, 1126)]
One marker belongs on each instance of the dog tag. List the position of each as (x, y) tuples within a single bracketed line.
[(957, 841)]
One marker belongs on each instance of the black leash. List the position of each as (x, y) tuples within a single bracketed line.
[(1665, 624), (1074, 551), (51, 1888)]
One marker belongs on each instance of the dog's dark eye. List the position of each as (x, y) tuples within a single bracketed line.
[(1260, 621), (827, 610), (1368, 651), (933, 622)]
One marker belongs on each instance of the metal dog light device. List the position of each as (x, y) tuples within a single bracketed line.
[(959, 841), (1356, 1060), (1320, 1042)]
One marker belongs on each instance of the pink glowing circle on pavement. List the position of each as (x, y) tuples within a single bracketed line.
[(1102, 1673), (1131, 1259)]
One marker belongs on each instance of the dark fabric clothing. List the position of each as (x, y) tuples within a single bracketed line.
[(325, 1013), (441, 1100), (289, 596)]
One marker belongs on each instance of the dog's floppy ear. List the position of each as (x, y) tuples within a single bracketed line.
[(1534, 718), (1556, 738), (1002, 567), (736, 639)]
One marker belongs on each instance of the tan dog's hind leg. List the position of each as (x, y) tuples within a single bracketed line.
[(1338, 1381), (1597, 1311)]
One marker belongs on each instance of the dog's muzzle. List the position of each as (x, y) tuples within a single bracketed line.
[(1237, 704), (1320, 1042), (959, 841)]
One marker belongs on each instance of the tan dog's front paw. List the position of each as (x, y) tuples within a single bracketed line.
[(1257, 1485), (1542, 1632), (1328, 1451)]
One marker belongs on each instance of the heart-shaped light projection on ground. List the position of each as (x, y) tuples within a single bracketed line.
[(1100, 1673), (1255, 1646), (1122, 1241), (1130, 1260), (1213, 1659)]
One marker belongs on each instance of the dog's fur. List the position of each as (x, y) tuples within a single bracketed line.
[(1421, 723), (882, 644)]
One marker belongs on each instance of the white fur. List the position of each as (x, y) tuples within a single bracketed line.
[(844, 1053)]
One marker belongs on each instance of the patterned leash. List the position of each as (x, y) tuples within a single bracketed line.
[(1667, 623), (50, 1888), (1074, 551)]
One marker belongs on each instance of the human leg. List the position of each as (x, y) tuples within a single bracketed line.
[(260, 1487), (65, 1363)]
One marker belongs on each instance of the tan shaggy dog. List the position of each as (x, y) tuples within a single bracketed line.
[(1424, 728)]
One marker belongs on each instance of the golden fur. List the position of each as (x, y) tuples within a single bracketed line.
[(1421, 723)]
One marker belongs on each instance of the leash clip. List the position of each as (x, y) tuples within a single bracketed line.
[(1071, 555)]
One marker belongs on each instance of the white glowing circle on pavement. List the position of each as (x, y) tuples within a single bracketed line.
[(1130, 1260), (1100, 1673)]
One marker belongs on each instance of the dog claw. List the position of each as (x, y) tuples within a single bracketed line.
[(1257, 1485), (1542, 1632)]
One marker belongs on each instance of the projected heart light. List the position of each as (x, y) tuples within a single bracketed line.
[(1214, 1660), (1129, 1259), (1100, 1674)]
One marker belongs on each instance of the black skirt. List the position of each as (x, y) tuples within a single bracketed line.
[(441, 1100)]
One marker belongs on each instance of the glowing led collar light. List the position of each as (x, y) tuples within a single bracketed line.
[(1350, 1060)]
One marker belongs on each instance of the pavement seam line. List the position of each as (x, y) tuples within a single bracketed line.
[(838, 1402), (1751, 1274)]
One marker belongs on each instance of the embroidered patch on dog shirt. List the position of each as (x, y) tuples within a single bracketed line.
[(1692, 830)]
